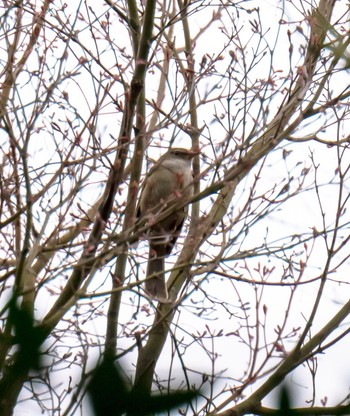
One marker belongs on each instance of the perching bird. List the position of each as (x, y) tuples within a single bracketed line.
[(169, 181)]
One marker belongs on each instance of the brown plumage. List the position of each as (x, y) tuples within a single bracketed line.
[(169, 180)]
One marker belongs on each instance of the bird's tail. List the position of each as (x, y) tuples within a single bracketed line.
[(155, 286)]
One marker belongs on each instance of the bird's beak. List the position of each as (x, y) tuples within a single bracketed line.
[(194, 152)]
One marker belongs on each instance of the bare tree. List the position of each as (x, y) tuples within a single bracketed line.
[(91, 92)]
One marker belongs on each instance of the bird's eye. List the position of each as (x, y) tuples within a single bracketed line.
[(176, 153)]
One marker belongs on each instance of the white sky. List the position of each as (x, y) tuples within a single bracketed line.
[(300, 215)]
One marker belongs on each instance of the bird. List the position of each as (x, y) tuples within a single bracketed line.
[(169, 181)]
